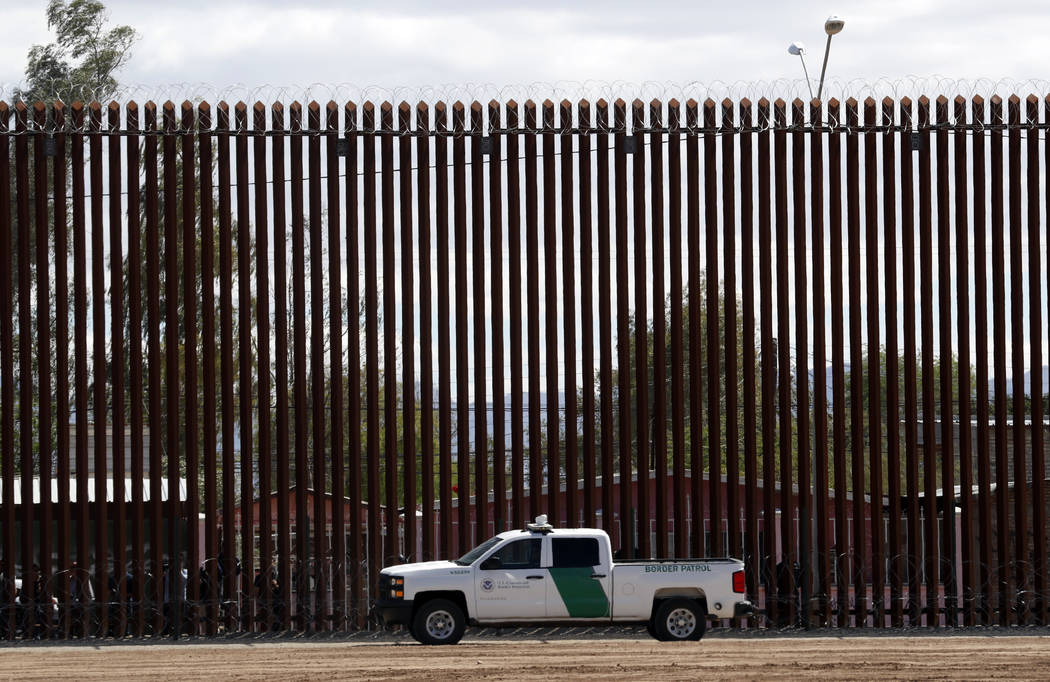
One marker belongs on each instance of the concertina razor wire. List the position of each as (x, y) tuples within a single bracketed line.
[(661, 96)]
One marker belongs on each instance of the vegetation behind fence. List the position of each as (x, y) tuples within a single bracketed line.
[(251, 355)]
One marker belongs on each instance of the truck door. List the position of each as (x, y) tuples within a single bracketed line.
[(581, 580), (510, 585)]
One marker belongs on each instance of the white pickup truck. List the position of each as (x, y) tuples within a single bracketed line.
[(547, 575)]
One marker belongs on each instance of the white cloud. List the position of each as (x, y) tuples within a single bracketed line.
[(417, 43), (21, 27)]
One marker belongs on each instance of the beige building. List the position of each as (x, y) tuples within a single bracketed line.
[(90, 429)]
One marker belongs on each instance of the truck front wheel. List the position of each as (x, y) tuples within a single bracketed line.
[(439, 621), (679, 620)]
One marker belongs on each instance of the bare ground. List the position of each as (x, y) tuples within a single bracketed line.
[(552, 659)]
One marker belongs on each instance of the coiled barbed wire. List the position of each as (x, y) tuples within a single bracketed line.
[(661, 94), (591, 90)]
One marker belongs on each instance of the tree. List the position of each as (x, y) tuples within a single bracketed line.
[(82, 63), (900, 416), (699, 373), (755, 401)]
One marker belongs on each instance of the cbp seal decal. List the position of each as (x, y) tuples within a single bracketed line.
[(487, 584)]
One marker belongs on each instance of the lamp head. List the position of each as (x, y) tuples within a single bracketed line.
[(833, 25), (796, 48)]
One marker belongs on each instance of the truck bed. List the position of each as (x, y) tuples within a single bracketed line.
[(636, 583)]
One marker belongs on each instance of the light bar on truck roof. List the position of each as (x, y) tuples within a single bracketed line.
[(541, 525)]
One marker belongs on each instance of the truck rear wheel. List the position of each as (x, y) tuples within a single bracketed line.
[(439, 621), (679, 620)]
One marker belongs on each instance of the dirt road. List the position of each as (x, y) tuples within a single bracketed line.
[(852, 657)]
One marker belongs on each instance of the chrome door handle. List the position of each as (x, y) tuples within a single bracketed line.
[(534, 577)]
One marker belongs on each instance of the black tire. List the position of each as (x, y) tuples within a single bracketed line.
[(439, 621), (679, 620)]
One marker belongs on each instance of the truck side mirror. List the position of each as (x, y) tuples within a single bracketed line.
[(493, 562)]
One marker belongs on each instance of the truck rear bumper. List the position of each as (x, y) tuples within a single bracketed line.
[(743, 609), (393, 611)]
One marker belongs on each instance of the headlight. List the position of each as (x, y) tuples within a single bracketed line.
[(391, 587)]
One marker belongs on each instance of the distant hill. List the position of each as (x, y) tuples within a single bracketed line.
[(991, 381), (1028, 380)]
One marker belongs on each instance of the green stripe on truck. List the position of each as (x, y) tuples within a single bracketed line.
[(582, 594)]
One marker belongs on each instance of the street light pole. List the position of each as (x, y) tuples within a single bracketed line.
[(807, 552), (800, 50), (832, 26)]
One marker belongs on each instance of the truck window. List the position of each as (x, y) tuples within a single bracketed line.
[(520, 554), (575, 552), (472, 556)]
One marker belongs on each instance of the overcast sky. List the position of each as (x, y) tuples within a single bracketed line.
[(416, 43)]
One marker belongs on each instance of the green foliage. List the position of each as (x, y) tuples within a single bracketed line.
[(885, 417), (83, 61), (692, 371), (80, 65), (754, 400)]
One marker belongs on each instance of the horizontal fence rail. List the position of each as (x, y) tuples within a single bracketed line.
[(250, 355)]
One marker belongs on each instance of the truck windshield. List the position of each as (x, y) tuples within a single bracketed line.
[(472, 556)]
